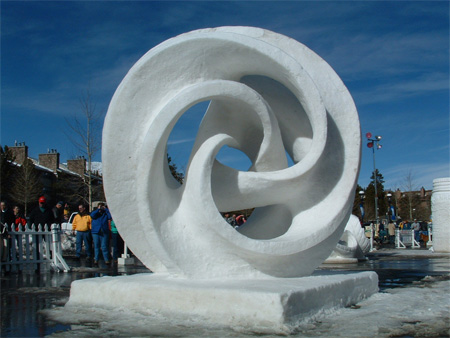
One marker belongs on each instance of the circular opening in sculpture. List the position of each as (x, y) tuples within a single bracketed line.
[(182, 136), (182, 139), (234, 158), (295, 126)]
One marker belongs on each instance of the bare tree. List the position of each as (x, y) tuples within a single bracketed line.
[(7, 172), (85, 135), (179, 176), (409, 185), (27, 186), (73, 188)]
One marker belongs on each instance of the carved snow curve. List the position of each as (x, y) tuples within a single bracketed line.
[(269, 95), (353, 244)]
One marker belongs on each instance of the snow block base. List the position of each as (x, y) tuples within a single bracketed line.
[(269, 305)]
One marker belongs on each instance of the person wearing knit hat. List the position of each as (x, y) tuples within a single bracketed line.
[(41, 215)]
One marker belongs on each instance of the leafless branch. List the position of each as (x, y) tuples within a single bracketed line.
[(84, 133)]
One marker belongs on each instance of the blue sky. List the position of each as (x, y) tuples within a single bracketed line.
[(392, 55)]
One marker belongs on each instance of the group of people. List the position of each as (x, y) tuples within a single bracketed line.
[(234, 221), (94, 228), (11, 218), (41, 217), (97, 226), (416, 226), (383, 231)]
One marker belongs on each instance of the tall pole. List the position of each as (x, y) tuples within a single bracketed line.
[(371, 144), (375, 181), (396, 206), (361, 205), (390, 208)]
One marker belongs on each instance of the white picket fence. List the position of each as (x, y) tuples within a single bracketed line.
[(32, 249), (405, 238)]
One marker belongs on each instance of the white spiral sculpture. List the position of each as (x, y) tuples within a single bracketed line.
[(353, 245), (269, 95)]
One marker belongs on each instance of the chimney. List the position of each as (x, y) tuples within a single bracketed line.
[(50, 160), (77, 165), (20, 152)]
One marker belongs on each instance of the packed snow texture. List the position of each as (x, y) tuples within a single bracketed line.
[(353, 245), (421, 310), (269, 95), (440, 207), (269, 305)]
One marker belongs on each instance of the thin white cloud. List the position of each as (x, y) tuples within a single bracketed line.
[(423, 174), (182, 141), (403, 88)]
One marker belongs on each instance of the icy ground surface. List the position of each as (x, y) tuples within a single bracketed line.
[(414, 302), (421, 310)]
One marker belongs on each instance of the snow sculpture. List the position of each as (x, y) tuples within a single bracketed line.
[(440, 207), (270, 95), (353, 244)]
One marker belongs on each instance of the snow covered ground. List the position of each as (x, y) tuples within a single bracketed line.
[(418, 311), (421, 310), (414, 309)]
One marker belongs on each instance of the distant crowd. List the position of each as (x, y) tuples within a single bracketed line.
[(385, 233), (234, 221), (96, 228)]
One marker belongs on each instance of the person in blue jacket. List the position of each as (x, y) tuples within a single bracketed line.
[(100, 232)]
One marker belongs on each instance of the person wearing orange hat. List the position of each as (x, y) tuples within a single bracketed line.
[(41, 215)]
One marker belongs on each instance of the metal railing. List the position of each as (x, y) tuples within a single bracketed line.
[(429, 234), (30, 249), (405, 238)]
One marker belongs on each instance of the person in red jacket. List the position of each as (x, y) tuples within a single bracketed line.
[(20, 219), (20, 222)]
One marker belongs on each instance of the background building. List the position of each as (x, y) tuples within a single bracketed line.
[(24, 179)]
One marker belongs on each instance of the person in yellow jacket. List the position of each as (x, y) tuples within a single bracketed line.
[(82, 224)]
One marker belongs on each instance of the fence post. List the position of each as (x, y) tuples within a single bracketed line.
[(58, 261), (35, 246), (371, 237), (398, 241), (414, 243), (430, 236), (125, 259), (12, 250)]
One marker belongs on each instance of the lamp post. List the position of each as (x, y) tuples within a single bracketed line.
[(361, 204), (389, 195), (373, 143)]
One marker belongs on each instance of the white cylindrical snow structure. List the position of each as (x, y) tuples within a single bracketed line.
[(440, 208)]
